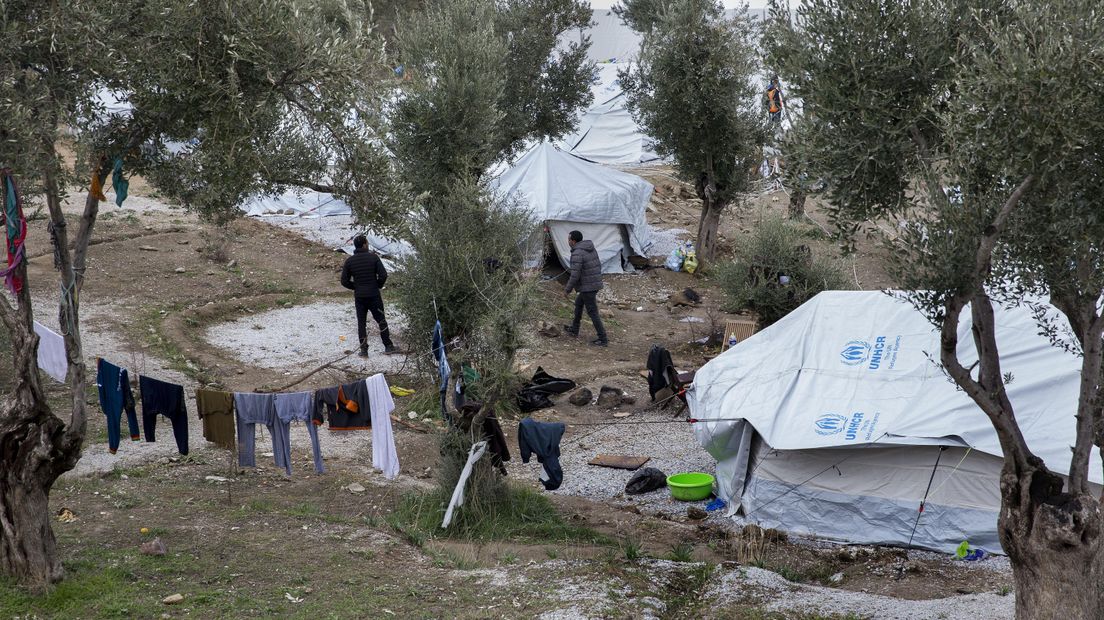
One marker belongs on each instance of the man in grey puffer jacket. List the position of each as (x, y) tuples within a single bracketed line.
[(586, 278)]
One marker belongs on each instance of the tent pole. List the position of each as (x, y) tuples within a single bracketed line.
[(920, 511)]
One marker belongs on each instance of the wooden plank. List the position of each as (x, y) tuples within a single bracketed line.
[(619, 461), (738, 330)]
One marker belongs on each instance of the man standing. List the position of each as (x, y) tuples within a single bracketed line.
[(586, 278), (775, 102), (365, 275)]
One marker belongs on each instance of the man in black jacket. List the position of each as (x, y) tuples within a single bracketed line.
[(365, 275), (586, 278)]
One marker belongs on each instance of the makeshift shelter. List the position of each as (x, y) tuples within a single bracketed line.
[(567, 193), (831, 423)]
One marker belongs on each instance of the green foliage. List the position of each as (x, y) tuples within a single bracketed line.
[(681, 552), (776, 248), (692, 91), (631, 549), (467, 269), (484, 78)]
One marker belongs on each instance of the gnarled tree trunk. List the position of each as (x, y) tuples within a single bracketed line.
[(34, 451), (37, 446), (1054, 542), (710, 221)]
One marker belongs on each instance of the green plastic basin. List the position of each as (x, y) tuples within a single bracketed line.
[(690, 487)]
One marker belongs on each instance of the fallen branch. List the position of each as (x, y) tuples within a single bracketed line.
[(304, 377)]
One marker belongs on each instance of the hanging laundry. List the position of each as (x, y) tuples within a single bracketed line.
[(113, 385), (443, 369), (384, 456), (250, 410), (346, 406), (216, 411), (457, 500), (298, 406), (543, 439), (167, 399), (496, 442), (120, 184), (15, 229), (51, 352), (96, 188)]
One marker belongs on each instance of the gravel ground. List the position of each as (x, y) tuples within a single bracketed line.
[(779, 594), (671, 446), (666, 239), (302, 337)]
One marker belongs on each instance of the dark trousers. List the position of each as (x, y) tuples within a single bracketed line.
[(590, 302), (374, 304)]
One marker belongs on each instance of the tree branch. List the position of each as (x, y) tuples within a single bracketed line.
[(988, 390), (68, 306)]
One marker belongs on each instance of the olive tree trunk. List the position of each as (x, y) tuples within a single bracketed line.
[(37, 446), (710, 221), (1053, 540)]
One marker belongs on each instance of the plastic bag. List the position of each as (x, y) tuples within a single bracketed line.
[(690, 264), (645, 481), (674, 261)]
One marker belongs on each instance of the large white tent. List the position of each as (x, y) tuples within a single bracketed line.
[(830, 423), (567, 193)]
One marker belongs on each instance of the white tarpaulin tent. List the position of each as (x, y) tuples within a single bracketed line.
[(831, 421), (607, 133), (566, 193)]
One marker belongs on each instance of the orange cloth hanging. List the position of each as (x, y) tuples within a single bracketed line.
[(97, 186)]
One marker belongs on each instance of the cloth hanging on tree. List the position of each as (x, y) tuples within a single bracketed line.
[(15, 228), (384, 455), (457, 500), (443, 369), (51, 353), (97, 185), (120, 184)]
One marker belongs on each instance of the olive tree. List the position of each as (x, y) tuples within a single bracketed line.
[(976, 127), (483, 78), (692, 90), (240, 82)]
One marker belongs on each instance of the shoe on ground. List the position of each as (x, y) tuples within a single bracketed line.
[(598, 342), (390, 350), (363, 351), (574, 333)]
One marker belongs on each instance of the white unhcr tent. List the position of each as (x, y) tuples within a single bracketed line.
[(830, 423), (607, 133), (567, 193)]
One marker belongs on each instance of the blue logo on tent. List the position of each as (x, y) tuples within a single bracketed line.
[(855, 352), (830, 423)]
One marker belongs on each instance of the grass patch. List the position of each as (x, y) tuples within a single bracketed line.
[(516, 514), (304, 509), (682, 552), (684, 592)]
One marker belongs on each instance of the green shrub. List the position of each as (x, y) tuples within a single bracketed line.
[(776, 248), (468, 269)]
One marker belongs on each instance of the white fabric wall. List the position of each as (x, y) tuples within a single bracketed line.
[(609, 240)]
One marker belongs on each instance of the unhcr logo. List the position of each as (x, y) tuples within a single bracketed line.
[(855, 352), (830, 423)]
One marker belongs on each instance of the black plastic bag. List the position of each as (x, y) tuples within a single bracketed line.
[(645, 481)]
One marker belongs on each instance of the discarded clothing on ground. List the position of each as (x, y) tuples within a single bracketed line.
[(297, 406), (113, 385), (534, 394), (216, 412), (645, 481), (51, 352), (542, 439), (167, 399), (347, 407)]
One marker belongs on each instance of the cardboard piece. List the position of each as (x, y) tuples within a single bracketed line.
[(619, 461)]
